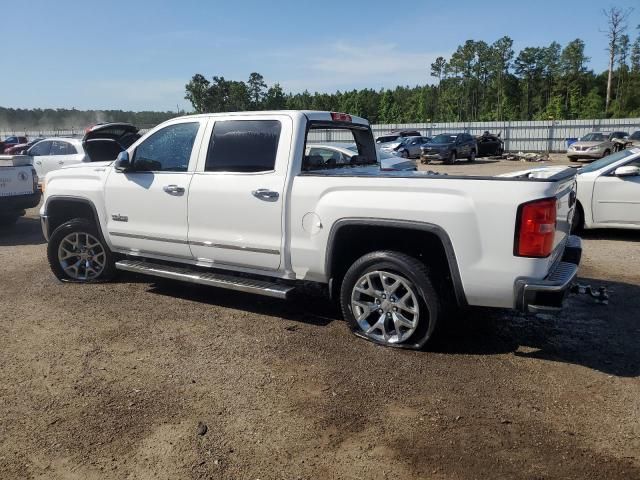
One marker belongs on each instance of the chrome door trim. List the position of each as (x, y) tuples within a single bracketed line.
[(235, 247)]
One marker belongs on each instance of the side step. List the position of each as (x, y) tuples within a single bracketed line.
[(230, 282)]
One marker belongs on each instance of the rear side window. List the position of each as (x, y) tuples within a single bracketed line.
[(62, 148), (243, 146)]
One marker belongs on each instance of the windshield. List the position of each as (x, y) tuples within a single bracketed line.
[(387, 138), (444, 138), (606, 161), (593, 137)]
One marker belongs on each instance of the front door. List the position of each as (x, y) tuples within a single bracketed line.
[(617, 199), (146, 207), (236, 196)]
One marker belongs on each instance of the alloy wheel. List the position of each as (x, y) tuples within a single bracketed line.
[(82, 256)]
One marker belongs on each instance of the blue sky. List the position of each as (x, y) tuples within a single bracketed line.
[(138, 55)]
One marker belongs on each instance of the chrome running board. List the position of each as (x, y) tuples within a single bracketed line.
[(230, 282)]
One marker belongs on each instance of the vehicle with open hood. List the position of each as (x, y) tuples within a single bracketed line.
[(240, 201), (99, 143), (594, 145)]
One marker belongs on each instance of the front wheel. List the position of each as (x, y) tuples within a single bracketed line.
[(404, 154), (77, 253), (472, 156), (451, 159), (606, 153), (388, 298)]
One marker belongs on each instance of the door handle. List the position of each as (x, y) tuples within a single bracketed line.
[(173, 189), (265, 194)]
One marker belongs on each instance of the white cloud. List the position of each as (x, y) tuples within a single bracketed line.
[(344, 65)]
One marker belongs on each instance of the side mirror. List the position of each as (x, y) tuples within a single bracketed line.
[(628, 171), (123, 164)]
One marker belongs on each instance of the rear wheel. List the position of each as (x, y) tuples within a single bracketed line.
[(451, 159), (388, 298), (77, 253), (577, 224)]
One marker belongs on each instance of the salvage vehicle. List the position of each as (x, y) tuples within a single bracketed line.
[(448, 147), (11, 141), (100, 142), (231, 200), (593, 146), (18, 187), (397, 134), (333, 155), (407, 147), (21, 148), (489, 145)]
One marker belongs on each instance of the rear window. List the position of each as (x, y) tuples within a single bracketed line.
[(321, 136), (243, 146)]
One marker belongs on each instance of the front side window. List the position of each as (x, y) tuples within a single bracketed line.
[(167, 150), (243, 146), (41, 148)]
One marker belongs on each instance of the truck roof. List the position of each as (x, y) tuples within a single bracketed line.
[(315, 115)]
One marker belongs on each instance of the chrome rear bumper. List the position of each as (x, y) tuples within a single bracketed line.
[(534, 295)]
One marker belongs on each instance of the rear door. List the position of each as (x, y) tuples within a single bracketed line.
[(146, 208), (617, 199), (236, 196), (62, 154)]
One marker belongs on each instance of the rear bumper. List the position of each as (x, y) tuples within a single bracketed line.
[(534, 295), (9, 205)]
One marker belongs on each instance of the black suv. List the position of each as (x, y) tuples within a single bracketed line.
[(448, 147)]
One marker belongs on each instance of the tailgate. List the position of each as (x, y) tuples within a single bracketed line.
[(16, 181), (566, 197)]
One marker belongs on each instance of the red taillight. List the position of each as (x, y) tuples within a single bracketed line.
[(340, 117), (536, 228)]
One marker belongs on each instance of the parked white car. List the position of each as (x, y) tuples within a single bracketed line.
[(231, 200), (100, 142), (608, 190)]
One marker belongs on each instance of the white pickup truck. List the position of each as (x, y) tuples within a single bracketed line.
[(18, 187), (232, 201)]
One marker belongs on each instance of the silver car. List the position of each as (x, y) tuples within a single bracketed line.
[(594, 145), (341, 154)]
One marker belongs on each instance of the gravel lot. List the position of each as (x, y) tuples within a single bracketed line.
[(112, 380)]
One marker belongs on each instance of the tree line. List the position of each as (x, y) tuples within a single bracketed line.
[(67, 119), (479, 82)]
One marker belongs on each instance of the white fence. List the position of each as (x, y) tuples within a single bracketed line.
[(538, 136)]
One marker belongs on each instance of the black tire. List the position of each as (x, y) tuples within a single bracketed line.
[(451, 159), (577, 224), (472, 156), (417, 276), (81, 226), (404, 153), (606, 153)]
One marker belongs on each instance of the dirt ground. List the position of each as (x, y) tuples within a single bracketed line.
[(111, 381)]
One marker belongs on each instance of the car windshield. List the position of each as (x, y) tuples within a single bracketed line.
[(444, 138), (593, 137), (606, 161), (387, 138)]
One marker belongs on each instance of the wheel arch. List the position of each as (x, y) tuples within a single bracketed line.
[(62, 208), (425, 238)]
